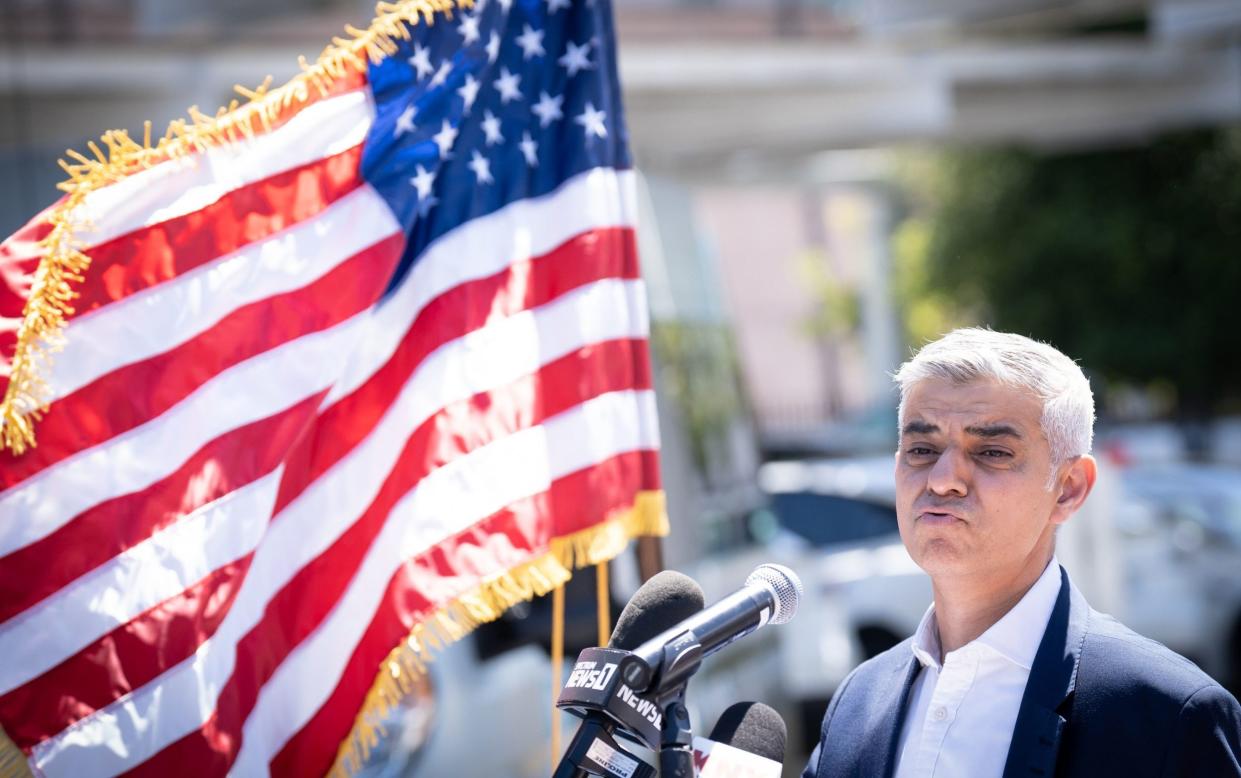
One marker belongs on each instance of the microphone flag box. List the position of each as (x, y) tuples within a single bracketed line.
[(720, 760), (607, 760), (596, 685)]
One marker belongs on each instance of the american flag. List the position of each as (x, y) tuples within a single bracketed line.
[(328, 393)]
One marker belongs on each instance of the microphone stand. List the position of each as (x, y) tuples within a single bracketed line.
[(590, 731), (681, 659), (676, 741)]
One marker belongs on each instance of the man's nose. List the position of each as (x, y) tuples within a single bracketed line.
[(950, 474)]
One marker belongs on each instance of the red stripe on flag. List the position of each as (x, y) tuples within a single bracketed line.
[(293, 613), (19, 258), (230, 461), (588, 257), (152, 255), (109, 405), (510, 537), (124, 659)]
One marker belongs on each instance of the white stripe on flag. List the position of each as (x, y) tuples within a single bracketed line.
[(447, 501), (161, 317), (184, 185), (596, 198), (127, 585), (601, 197), (453, 497), (247, 392), (306, 527), (487, 358)]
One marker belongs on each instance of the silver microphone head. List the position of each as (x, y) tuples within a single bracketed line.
[(784, 586)]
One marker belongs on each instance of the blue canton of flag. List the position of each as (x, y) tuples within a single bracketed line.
[(505, 102)]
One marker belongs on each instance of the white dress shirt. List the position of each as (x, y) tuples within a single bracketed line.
[(961, 713)]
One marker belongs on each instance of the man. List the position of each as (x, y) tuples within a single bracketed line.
[(1011, 672)]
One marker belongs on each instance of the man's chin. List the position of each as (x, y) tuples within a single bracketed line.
[(942, 557)]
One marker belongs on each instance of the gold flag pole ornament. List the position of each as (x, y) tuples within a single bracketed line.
[(63, 265)]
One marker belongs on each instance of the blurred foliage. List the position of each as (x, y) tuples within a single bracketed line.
[(927, 310), (838, 311), (700, 375), (1126, 259)]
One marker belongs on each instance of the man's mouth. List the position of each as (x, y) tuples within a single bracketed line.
[(938, 517)]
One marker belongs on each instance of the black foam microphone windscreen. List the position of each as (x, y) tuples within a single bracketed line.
[(753, 727), (663, 601)]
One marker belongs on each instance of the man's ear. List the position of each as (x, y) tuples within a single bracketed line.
[(1075, 485)]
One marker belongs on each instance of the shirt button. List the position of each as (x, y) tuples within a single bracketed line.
[(939, 714)]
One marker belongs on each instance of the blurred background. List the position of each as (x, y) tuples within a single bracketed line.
[(826, 185)]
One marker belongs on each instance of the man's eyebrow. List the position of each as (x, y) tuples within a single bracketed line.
[(920, 428), (994, 431)]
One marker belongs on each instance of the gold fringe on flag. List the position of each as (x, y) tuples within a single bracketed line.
[(63, 264), (408, 661)]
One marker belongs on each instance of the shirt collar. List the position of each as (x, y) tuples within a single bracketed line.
[(1015, 636), (926, 640)]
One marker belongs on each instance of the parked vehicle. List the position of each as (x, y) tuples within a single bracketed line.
[(1180, 530)]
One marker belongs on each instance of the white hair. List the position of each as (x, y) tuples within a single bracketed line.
[(972, 354)]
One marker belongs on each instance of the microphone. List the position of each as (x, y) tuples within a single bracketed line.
[(770, 595), (666, 599), (747, 742), (639, 692)]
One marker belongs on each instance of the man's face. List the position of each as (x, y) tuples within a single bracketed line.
[(971, 480)]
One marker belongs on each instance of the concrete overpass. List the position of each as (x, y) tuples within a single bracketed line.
[(731, 89)]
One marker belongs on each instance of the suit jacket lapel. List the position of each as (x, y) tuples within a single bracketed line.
[(1036, 735), (885, 728)]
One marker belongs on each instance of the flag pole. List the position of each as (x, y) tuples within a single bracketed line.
[(650, 552)]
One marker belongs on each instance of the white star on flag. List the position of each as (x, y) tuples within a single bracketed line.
[(548, 108), (506, 84), (491, 128), (469, 91), (421, 61), (529, 149), (445, 138), (481, 168), (506, 5), (531, 42), (405, 122), (592, 121), (576, 58), (423, 182), (468, 29), (441, 75), (493, 47), (555, 5)]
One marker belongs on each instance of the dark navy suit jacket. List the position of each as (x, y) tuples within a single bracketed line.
[(1101, 700)]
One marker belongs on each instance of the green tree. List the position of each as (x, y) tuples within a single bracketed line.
[(699, 373), (1128, 259)]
